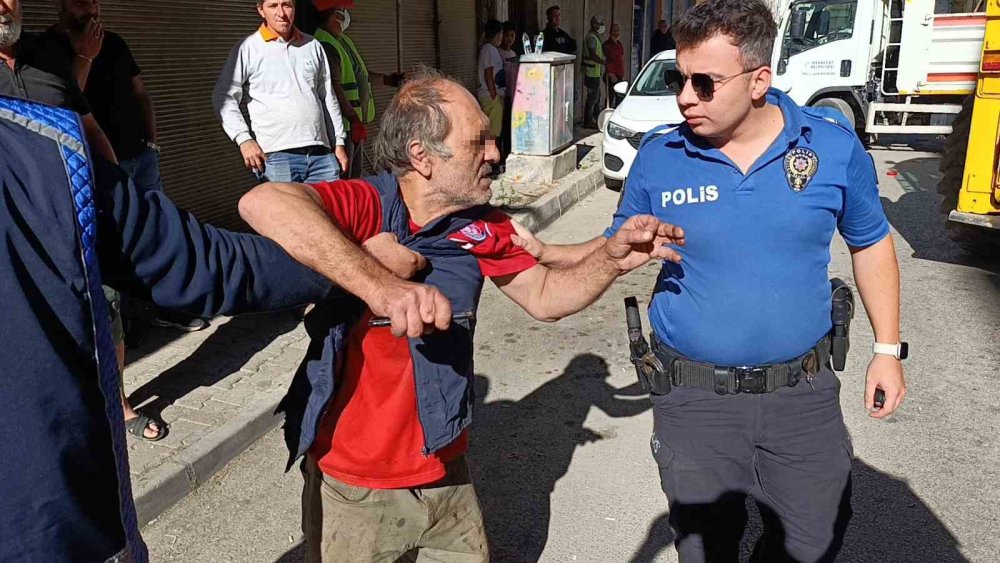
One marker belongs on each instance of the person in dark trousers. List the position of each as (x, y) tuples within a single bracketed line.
[(614, 51), (555, 39), (593, 67), (753, 407), (507, 46), (662, 40), (384, 421)]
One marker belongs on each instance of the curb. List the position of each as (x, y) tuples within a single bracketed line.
[(543, 211), (572, 189), (178, 477)]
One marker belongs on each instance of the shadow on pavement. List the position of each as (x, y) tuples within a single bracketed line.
[(890, 524), (520, 450), (224, 352), (918, 218), (294, 555)]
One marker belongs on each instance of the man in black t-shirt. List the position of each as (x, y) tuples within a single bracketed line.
[(555, 38), (107, 73), (30, 71)]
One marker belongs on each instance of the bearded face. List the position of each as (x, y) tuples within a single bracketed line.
[(10, 29)]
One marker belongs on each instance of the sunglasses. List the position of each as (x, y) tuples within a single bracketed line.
[(704, 85)]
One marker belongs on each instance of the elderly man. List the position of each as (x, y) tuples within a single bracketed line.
[(293, 108), (386, 472), (30, 71)]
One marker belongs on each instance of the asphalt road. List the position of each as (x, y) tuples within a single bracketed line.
[(560, 445)]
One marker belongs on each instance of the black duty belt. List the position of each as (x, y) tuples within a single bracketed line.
[(726, 380)]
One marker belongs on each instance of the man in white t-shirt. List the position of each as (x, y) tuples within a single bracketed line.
[(492, 79)]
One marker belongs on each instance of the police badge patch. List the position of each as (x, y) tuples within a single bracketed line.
[(801, 165)]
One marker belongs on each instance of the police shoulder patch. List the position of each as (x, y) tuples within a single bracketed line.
[(801, 165)]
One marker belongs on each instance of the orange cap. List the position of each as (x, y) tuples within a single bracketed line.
[(324, 5)]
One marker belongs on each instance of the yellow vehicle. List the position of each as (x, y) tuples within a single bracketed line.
[(970, 166)]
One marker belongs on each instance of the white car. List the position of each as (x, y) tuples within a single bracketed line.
[(649, 102)]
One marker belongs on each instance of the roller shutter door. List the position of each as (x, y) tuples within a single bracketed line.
[(458, 40), (181, 46), (373, 30), (419, 34)]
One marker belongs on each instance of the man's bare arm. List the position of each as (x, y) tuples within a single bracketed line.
[(876, 272), (293, 216), (554, 255), (549, 294)]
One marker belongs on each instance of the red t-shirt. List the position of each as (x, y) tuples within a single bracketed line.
[(371, 434), (614, 55)]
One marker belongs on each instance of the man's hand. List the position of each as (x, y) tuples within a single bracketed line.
[(641, 239), (527, 240), (413, 309), (253, 156), (341, 153), (88, 42), (885, 373), (398, 259), (358, 131)]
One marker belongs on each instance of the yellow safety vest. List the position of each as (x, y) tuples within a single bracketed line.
[(590, 68), (348, 81)]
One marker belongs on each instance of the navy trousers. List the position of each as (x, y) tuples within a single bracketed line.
[(788, 450)]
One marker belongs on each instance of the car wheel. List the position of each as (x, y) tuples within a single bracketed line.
[(612, 184)]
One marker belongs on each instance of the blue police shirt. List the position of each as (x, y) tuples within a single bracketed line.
[(753, 287)]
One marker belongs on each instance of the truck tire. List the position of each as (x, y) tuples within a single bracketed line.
[(976, 240), (840, 105)]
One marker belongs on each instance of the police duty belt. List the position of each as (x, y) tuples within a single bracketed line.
[(679, 370)]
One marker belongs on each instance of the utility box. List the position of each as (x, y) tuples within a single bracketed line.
[(542, 116)]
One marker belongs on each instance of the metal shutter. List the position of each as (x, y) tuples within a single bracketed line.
[(181, 46), (458, 40), (419, 34), (373, 30)]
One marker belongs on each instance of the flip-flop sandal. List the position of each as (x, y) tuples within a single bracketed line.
[(138, 426)]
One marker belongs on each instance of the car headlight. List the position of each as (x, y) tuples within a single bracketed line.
[(618, 132)]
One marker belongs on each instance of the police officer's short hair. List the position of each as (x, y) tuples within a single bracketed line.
[(416, 113), (748, 23), (550, 11)]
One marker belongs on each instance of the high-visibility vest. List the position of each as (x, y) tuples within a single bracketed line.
[(348, 53), (590, 68)]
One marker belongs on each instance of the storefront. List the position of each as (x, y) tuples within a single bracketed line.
[(182, 45)]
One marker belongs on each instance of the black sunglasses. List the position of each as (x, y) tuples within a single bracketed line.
[(704, 85)]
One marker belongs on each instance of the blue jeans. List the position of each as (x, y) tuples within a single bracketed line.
[(144, 169), (307, 165)]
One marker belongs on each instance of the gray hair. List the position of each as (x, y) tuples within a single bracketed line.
[(416, 113)]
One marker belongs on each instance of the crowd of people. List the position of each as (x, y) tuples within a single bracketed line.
[(380, 423)]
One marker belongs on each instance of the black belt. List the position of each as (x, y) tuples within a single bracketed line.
[(313, 149), (742, 379)]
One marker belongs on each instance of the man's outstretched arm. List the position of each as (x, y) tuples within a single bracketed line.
[(293, 216), (154, 250), (549, 294)]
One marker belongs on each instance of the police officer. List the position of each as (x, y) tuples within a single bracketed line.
[(750, 406), (352, 81)]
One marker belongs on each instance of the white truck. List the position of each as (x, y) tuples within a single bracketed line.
[(890, 66)]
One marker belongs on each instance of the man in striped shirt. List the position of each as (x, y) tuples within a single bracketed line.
[(294, 116)]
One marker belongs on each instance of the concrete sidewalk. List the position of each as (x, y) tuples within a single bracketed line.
[(218, 388)]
